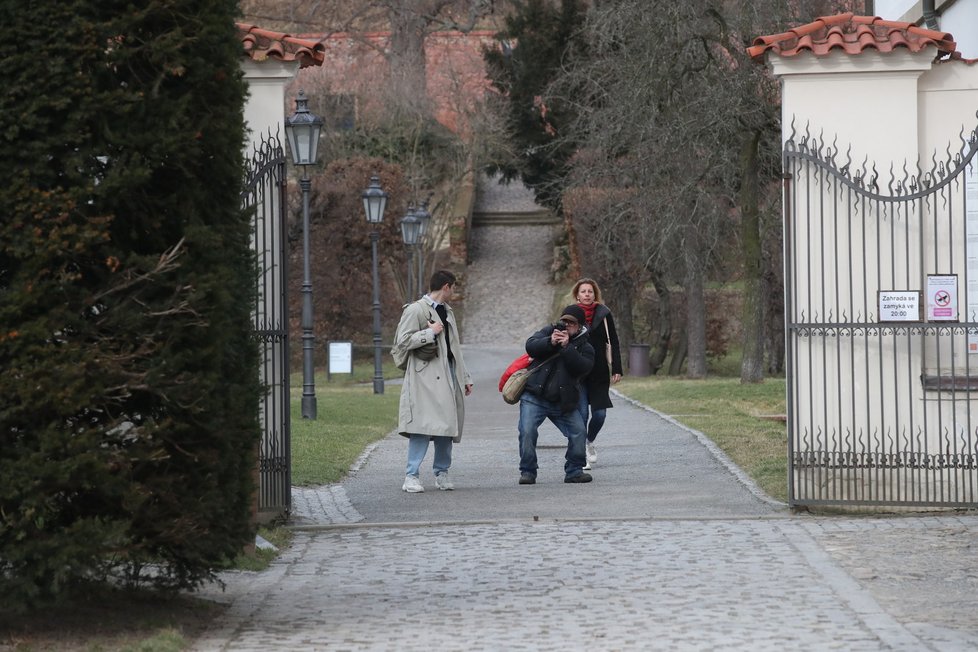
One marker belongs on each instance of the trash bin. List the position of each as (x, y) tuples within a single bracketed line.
[(638, 359)]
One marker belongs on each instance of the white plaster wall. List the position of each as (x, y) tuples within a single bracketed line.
[(265, 109), (948, 104), (959, 17), (265, 114), (867, 106), (857, 391), (897, 9), (862, 101)]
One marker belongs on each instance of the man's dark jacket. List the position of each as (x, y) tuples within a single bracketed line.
[(557, 381)]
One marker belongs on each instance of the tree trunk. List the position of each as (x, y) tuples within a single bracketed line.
[(695, 318), (752, 321), (774, 319), (407, 56), (678, 355), (620, 297), (664, 326), (773, 275)]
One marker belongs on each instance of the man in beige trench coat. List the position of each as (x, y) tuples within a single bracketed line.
[(427, 347)]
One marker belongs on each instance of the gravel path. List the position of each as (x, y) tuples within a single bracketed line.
[(508, 288)]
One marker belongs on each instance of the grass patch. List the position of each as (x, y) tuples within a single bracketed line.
[(363, 370), (350, 417), (110, 620), (258, 559), (729, 413)]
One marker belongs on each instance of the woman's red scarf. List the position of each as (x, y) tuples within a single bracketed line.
[(588, 311)]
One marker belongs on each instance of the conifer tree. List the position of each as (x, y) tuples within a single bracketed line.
[(540, 37), (129, 392)]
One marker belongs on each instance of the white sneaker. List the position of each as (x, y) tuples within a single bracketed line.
[(412, 485), (587, 466), (443, 482), (592, 454)]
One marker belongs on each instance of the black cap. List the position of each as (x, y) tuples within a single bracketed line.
[(574, 311)]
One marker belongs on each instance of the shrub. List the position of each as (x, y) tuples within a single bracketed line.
[(128, 417)]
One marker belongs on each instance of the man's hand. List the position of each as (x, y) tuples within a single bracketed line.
[(468, 389), (615, 378), (560, 338), (436, 326)]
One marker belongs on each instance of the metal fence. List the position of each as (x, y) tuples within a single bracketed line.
[(881, 290), (265, 195)]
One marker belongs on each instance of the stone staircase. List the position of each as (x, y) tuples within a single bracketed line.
[(514, 218), (508, 290)]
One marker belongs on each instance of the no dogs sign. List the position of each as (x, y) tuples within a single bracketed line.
[(942, 297)]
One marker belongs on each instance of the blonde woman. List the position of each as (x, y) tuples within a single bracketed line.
[(594, 396)]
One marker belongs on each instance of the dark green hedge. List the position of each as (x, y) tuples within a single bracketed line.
[(128, 380), (542, 37)]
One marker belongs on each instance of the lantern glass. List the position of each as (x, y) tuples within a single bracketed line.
[(374, 201), (410, 228), (424, 217), (302, 129)]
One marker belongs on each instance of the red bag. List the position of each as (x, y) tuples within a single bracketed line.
[(521, 362)]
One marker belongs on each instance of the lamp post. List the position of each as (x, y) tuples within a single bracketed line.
[(374, 202), (424, 218), (410, 231), (302, 129)]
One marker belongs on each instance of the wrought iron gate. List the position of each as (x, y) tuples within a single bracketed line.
[(881, 395), (265, 194)]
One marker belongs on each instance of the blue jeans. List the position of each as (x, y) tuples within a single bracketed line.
[(533, 411), (418, 446), (597, 415)]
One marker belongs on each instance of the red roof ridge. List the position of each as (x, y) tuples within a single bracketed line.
[(853, 35), (380, 34), (260, 44)]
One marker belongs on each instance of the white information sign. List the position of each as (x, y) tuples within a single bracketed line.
[(899, 305), (340, 357), (942, 297)]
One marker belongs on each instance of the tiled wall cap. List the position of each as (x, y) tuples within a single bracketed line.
[(260, 44), (853, 35)]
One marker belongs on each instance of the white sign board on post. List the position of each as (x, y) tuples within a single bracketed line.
[(899, 305), (942, 297), (340, 358)]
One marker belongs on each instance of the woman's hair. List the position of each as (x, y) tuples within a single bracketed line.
[(592, 283)]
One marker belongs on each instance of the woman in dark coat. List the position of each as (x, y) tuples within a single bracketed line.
[(607, 361)]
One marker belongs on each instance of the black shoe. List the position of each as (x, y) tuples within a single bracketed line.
[(584, 477), (527, 478)]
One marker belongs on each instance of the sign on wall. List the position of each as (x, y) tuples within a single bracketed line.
[(942, 297), (899, 305)]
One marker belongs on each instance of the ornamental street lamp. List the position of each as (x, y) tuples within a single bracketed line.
[(424, 218), (410, 231), (302, 130), (374, 202)]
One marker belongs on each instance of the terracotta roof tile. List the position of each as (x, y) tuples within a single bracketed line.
[(260, 44), (852, 35)]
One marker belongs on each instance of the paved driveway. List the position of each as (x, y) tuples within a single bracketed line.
[(670, 548)]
